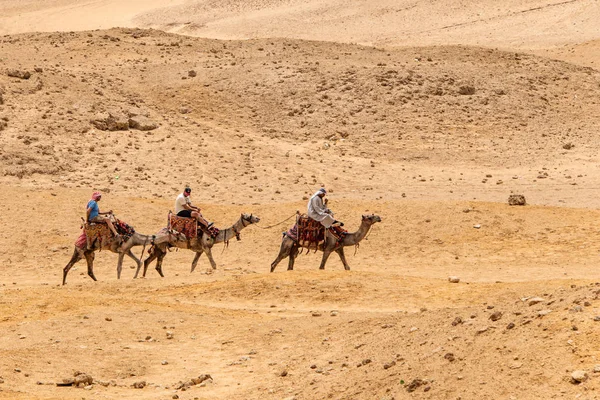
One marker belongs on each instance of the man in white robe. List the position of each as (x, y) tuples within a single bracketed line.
[(318, 211)]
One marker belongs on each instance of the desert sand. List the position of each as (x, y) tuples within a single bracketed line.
[(428, 114)]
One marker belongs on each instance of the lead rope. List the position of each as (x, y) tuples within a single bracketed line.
[(279, 223), (357, 245)]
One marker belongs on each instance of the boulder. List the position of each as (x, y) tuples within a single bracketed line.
[(516, 200)]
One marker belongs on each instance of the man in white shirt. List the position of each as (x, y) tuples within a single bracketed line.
[(318, 211), (184, 208)]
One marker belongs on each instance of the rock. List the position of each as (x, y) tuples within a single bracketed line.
[(535, 300), (283, 373), (457, 321), (579, 376), (82, 379), (15, 73), (389, 365), (164, 362), (192, 73), (576, 309), (482, 330), (185, 110), (543, 313), (568, 146), (449, 357), (316, 314), (466, 90), (477, 226), (516, 200), (1, 380), (169, 335), (596, 369), (453, 279), (3, 125), (111, 121), (414, 385), (139, 384), (1, 98), (142, 123), (496, 316)]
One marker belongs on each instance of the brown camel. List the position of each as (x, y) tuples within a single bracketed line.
[(290, 248), (121, 248), (201, 244)]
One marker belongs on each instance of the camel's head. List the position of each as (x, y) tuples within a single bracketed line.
[(250, 219), (371, 218)]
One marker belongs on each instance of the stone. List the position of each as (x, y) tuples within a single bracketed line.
[(169, 335), (496, 316), (579, 376), (516, 200), (414, 385), (192, 73), (457, 321), (596, 368), (111, 121), (139, 384), (389, 365), (543, 313), (142, 123), (82, 379), (453, 279), (510, 326), (16, 73), (535, 300), (449, 356)]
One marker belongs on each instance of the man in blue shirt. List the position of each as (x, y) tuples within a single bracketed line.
[(93, 213)]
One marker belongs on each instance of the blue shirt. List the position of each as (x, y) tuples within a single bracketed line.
[(95, 209)]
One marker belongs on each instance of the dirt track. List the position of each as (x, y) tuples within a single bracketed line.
[(432, 136)]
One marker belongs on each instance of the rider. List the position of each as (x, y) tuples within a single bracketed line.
[(93, 213), (318, 211), (184, 208)]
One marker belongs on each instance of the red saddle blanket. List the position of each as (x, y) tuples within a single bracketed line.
[(100, 233), (310, 233), (187, 226)]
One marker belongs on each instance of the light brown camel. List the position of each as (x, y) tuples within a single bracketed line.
[(290, 248), (202, 244), (121, 248)]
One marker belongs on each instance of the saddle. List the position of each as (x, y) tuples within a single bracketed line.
[(100, 233), (310, 234), (186, 226), (190, 227)]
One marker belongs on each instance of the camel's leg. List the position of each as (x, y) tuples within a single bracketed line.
[(340, 252), (326, 254), (120, 262), (138, 261), (77, 255), (284, 251), (196, 258), (89, 257), (208, 252), (153, 255), (293, 254), (161, 256)]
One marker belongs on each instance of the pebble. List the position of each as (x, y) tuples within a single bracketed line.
[(578, 376), (496, 316), (535, 300), (453, 279), (543, 313), (169, 335), (597, 368), (164, 362)]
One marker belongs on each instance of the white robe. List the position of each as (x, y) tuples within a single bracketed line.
[(319, 212)]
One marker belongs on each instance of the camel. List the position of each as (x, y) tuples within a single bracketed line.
[(202, 244), (122, 248), (289, 248)]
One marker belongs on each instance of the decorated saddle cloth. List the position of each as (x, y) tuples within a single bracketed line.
[(98, 233), (213, 231), (310, 233), (187, 226)]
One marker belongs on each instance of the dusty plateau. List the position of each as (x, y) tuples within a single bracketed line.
[(428, 114)]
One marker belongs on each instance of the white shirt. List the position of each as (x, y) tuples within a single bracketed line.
[(180, 201)]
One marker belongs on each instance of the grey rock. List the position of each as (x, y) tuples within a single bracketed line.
[(496, 316), (16, 73)]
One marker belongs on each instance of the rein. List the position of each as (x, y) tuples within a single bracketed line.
[(279, 223), (146, 241), (236, 232)]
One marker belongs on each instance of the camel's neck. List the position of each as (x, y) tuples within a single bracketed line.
[(139, 240), (230, 233), (355, 237)]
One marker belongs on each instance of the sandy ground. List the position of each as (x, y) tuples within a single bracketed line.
[(428, 114)]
